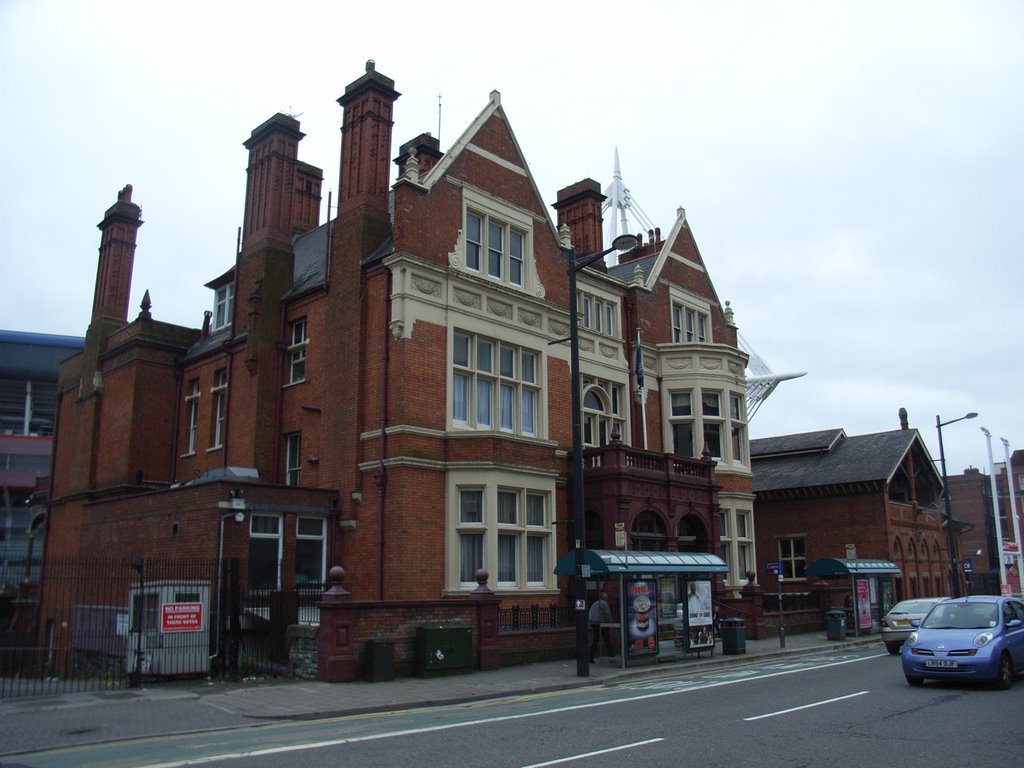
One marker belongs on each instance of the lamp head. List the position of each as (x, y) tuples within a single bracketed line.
[(625, 242), (971, 415)]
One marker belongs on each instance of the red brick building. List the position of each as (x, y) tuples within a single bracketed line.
[(971, 492), (390, 390), (831, 495)]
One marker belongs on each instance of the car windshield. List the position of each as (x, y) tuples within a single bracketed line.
[(962, 616), (913, 606)]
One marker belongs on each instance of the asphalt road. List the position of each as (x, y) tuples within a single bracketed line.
[(850, 710)]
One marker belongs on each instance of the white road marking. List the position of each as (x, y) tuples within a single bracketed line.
[(483, 721), (805, 706), (571, 758)]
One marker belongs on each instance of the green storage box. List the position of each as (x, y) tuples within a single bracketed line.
[(443, 649)]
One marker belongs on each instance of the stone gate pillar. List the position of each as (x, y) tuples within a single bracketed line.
[(486, 622), (336, 661)]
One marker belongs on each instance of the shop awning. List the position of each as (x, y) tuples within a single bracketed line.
[(613, 561), (834, 566)]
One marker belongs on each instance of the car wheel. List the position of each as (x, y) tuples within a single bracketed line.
[(893, 648), (1005, 678), (915, 681)]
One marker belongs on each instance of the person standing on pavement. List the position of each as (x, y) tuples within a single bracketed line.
[(600, 614)]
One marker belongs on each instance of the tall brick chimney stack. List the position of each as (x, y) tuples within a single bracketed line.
[(579, 207), (273, 199), (366, 145), (120, 228)]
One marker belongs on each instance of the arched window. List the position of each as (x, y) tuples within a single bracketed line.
[(602, 412), (897, 557), (648, 532)]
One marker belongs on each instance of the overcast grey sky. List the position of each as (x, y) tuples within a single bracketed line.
[(851, 171)]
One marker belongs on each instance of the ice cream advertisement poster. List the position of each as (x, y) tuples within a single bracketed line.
[(641, 617)]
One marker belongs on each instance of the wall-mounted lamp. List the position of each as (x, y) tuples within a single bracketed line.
[(237, 502), (357, 497)]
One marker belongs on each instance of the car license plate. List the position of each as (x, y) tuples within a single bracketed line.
[(941, 664)]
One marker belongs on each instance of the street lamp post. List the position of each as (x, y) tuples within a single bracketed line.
[(954, 586), (1013, 512), (996, 513), (574, 265)]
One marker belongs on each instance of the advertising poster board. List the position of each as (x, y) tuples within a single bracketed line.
[(641, 617), (667, 598), (863, 604), (700, 632)]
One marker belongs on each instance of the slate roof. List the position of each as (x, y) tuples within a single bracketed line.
[(214, 340), (624, 272), (829, 457), (310, 260)]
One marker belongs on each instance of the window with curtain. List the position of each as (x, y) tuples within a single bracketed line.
[(515, 538), (494, 385)]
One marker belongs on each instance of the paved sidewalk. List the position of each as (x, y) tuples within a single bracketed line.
[(29, 724)]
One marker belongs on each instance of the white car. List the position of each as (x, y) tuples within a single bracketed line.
[(896, 623)]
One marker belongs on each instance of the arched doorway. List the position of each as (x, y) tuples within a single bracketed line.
[(692, 535)]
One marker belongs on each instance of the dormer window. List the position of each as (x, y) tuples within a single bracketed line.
[(223, 305)]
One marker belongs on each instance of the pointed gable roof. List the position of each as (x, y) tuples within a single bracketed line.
[(829, 458), (466, 143)]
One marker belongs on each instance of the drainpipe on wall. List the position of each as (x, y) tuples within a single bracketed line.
[(179, 375), (282, 350), (224, 439), (381, 479)]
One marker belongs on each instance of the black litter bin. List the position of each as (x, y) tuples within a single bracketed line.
[(379, 662), (734, 636), (835, 625)]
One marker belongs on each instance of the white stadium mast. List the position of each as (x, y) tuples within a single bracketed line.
[(621, 203), (761, 380)]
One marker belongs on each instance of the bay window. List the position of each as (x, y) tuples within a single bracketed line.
[(723, 433), (505, 530), (494, 385)]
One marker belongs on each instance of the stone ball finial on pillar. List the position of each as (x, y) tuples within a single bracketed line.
[(335, 591), (481, 579)]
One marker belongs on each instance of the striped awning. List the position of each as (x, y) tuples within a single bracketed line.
[(612, 561), (835, 566)]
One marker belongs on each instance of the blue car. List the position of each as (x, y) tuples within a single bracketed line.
[(969, 638)]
